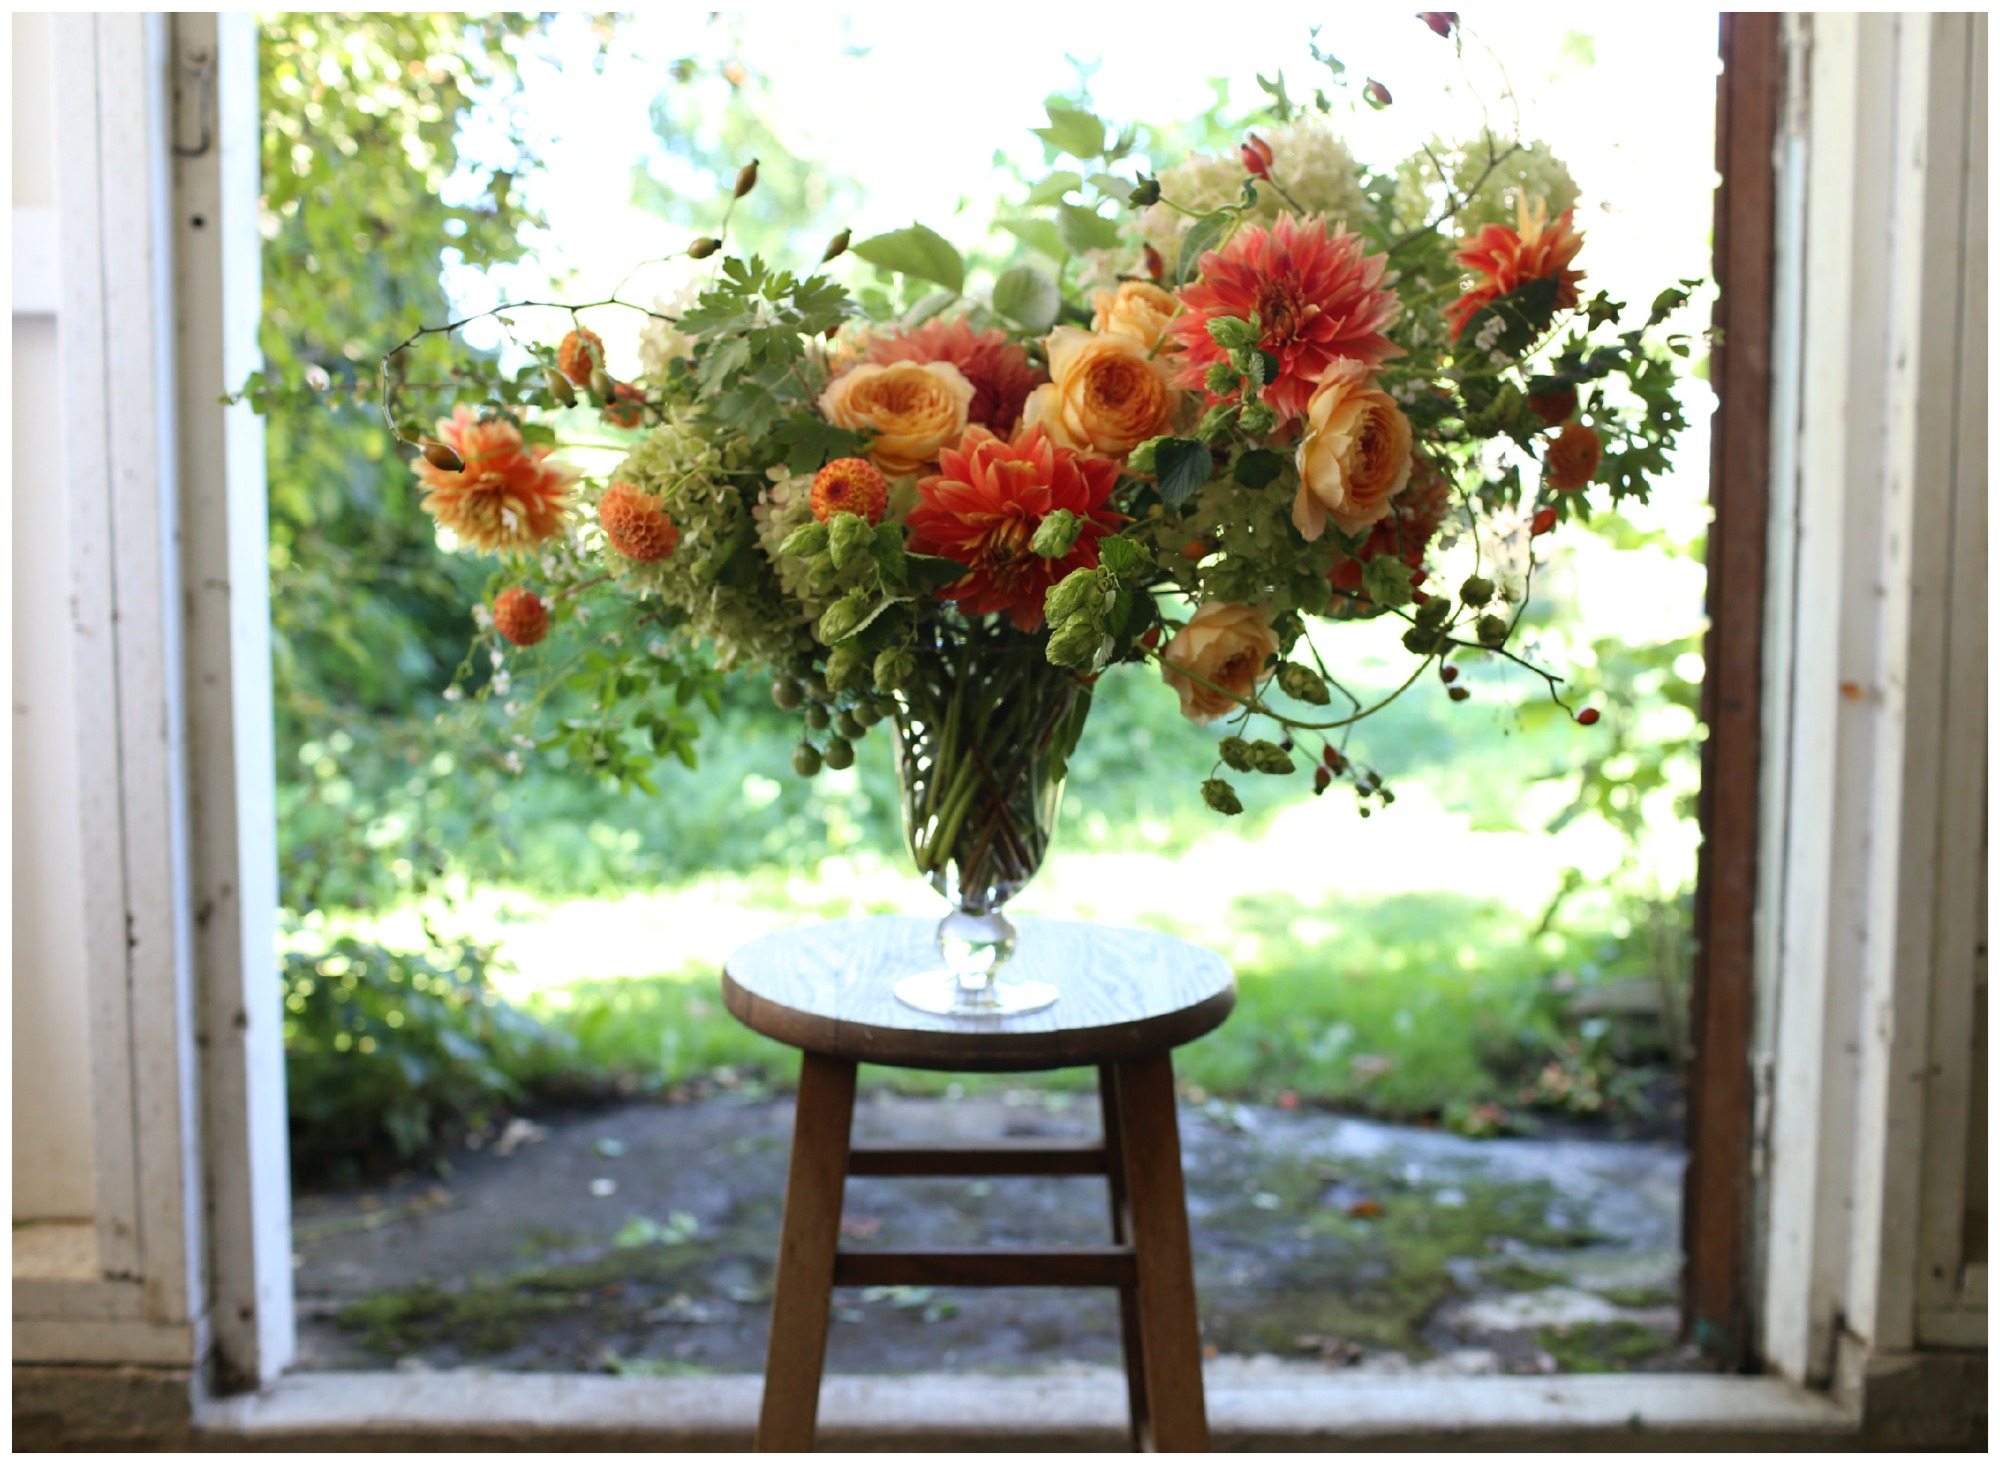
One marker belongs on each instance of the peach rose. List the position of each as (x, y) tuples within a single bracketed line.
[(1355, 454), (913, 408), (1227, 646), (1104, 394), (1136, 309)]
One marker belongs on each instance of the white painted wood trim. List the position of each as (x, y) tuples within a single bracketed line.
[(94, 611), (37, 273), (135, 122), (719, 1412), (226, 566), (90, 1340)]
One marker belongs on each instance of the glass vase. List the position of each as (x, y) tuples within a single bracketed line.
[(984, 732)]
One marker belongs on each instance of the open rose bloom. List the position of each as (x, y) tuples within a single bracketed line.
[(1274, 392)]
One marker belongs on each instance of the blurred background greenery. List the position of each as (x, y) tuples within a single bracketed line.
[(1504, 947)]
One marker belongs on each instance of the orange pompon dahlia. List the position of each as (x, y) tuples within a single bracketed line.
[(850, 486), (506, 496), (520, 615), (1317, 295), (1571, 460), (580, 353), (1505, 259), (984, 504), (636, 524), (998, 368)]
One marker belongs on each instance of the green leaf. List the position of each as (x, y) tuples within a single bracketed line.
[(1052, 188), (1072, 130), (1083, 229), (1040, 235), (916, 251), (1258, 467), (1183, 467), (1204, 236), (930, 572), (1111, 186), (1028, 298)]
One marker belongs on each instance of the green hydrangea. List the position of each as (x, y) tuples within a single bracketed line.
[(718, 575), (1529, 172), (1306, 158)]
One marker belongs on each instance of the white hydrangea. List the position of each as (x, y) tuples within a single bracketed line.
[(1530, 172), (1307, 160), (662, 341)]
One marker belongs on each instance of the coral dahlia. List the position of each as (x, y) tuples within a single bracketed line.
[(998, 368), (984, 504), (506, 496), (1505, 259), (636, 524), (1318, 296)]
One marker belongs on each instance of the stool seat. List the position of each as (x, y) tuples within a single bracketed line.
[(829, 989), (1128, 998)]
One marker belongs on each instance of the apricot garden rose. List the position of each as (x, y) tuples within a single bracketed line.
[(914, 409), (1355, 454), (1106, 393), (1219, 656), (1134, 309)]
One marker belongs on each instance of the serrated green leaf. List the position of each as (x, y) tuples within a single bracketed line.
[(1083, 229), (1052, 188), (1072, 130), (917, 251), (1040, 235), (1182, 467), (1027, 297)]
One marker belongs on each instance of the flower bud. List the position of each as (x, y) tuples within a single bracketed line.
[(1268, 757), (1235, 752), (1056, 535), (1440, 21), (1075, 642), (441, 457), (837, 246), (1257, 157), (1148, 192), (1155, 265), (1230, 332), (560, 389), (1543, 522), (1321, 780), (805, 541), (849, 538), (1303, 684), (846, 669), (1377, 94), (602, 384), (1588, 717), (1073, 595), (1220, 796), (1492, 630), (1476, 591), (703, 247), (841, 620), (1222, 379), (893, 667), (746, 179)]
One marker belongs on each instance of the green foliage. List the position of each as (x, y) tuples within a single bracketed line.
[(389, 1057)]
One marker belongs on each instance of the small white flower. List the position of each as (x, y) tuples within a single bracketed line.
[(452, 693), (501, 682), (317, 378), (512, 762)]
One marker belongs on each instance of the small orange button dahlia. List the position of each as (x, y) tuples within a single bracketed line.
[(850, 486), (580, 353), (520, 616), (1572, 459), (636, 525)]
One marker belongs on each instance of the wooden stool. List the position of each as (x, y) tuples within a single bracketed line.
[(1129, 998)]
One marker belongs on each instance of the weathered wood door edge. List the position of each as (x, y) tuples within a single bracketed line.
[(1716, 1211)]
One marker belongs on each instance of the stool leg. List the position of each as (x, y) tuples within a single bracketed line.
[(802, 1294), (1121, 1235), (1170, 1336)]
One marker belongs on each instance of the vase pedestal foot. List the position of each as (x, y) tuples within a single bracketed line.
[(939, 992)]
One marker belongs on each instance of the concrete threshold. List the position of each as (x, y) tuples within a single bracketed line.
[(1282, 1410)]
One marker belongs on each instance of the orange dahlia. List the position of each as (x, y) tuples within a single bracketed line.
[(1505, 259), (984, 504), (1317, 295), (1571, 459), (636, 524), (580, 353), (998, 368), (506, 496), (850, 486), (520, 616)]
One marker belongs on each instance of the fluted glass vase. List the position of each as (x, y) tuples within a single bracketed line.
[(984, 732)]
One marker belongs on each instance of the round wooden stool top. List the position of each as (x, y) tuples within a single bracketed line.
[(1125, 995)]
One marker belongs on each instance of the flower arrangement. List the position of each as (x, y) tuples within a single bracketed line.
[(1221, 403)]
